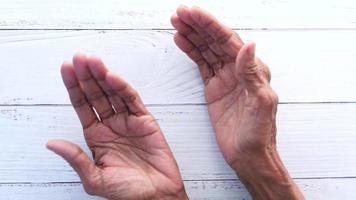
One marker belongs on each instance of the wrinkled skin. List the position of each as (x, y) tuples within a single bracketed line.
[(241, 104), (132, 159)]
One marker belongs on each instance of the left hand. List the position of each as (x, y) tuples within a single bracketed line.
[(241, 104)]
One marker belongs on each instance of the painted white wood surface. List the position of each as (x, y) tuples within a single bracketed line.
[(316, 189), (307, 66), (309, 45), (315, 141), (135, 14)]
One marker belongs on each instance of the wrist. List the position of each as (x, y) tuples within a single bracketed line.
[(265, 176)]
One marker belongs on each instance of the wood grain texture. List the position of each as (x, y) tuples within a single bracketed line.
[(134, 14), (321, 68), (315, 140), (316, 189)]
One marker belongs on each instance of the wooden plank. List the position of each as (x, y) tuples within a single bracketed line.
[(316, 189), (136, 14), (319, 69), (315, 140)]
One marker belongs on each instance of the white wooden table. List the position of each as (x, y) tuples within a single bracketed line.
[(309, 45)]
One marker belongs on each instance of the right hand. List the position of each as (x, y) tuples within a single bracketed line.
[(132, 159)]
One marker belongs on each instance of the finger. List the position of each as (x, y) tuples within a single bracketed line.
[(248, 71), (193, 53), (186, 26), (196, 40), (186, 18), (183, 14), (77, 97), (99, 71), (180, 26), (186, 44), (79, 160), (225, 37), (92, 90), (130, 97)]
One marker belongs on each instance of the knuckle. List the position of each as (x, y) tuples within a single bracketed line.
[(111, 93), (265, 69), (203, 47), (267, 98), (89, 189), (267, 73), (132, 96), (200, 62), (95, 95), (90, 186), (79, 155), (78, 102), (208, 38), (225, 38), (106, 113), (216, 65)]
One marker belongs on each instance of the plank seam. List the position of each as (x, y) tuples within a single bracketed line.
[(171, 29), (190, 180), (179, 104)]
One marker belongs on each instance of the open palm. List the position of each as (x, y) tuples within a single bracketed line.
[(241, 104), (132, 159)]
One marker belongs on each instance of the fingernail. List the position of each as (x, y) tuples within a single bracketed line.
[(184, 6)]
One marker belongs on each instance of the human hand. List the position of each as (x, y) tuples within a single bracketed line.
[(132, 159), (241, 104)]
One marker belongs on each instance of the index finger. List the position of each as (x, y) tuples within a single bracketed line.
[(225, 37), (77, 97)]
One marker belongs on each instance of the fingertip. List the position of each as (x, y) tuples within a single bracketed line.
[(247, 51), (79, 57), (97, 67), (68, 74), (49, 145), (94, 59), (195, 12), (183, 12), (79, 62), (201, 16), (174, 19), (63, 148), (182, 7), (109, 76), (55, 146), (80, 65), (66, 65), (113, 80)]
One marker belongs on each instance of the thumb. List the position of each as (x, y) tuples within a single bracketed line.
[(78, 159), (248, 71)]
